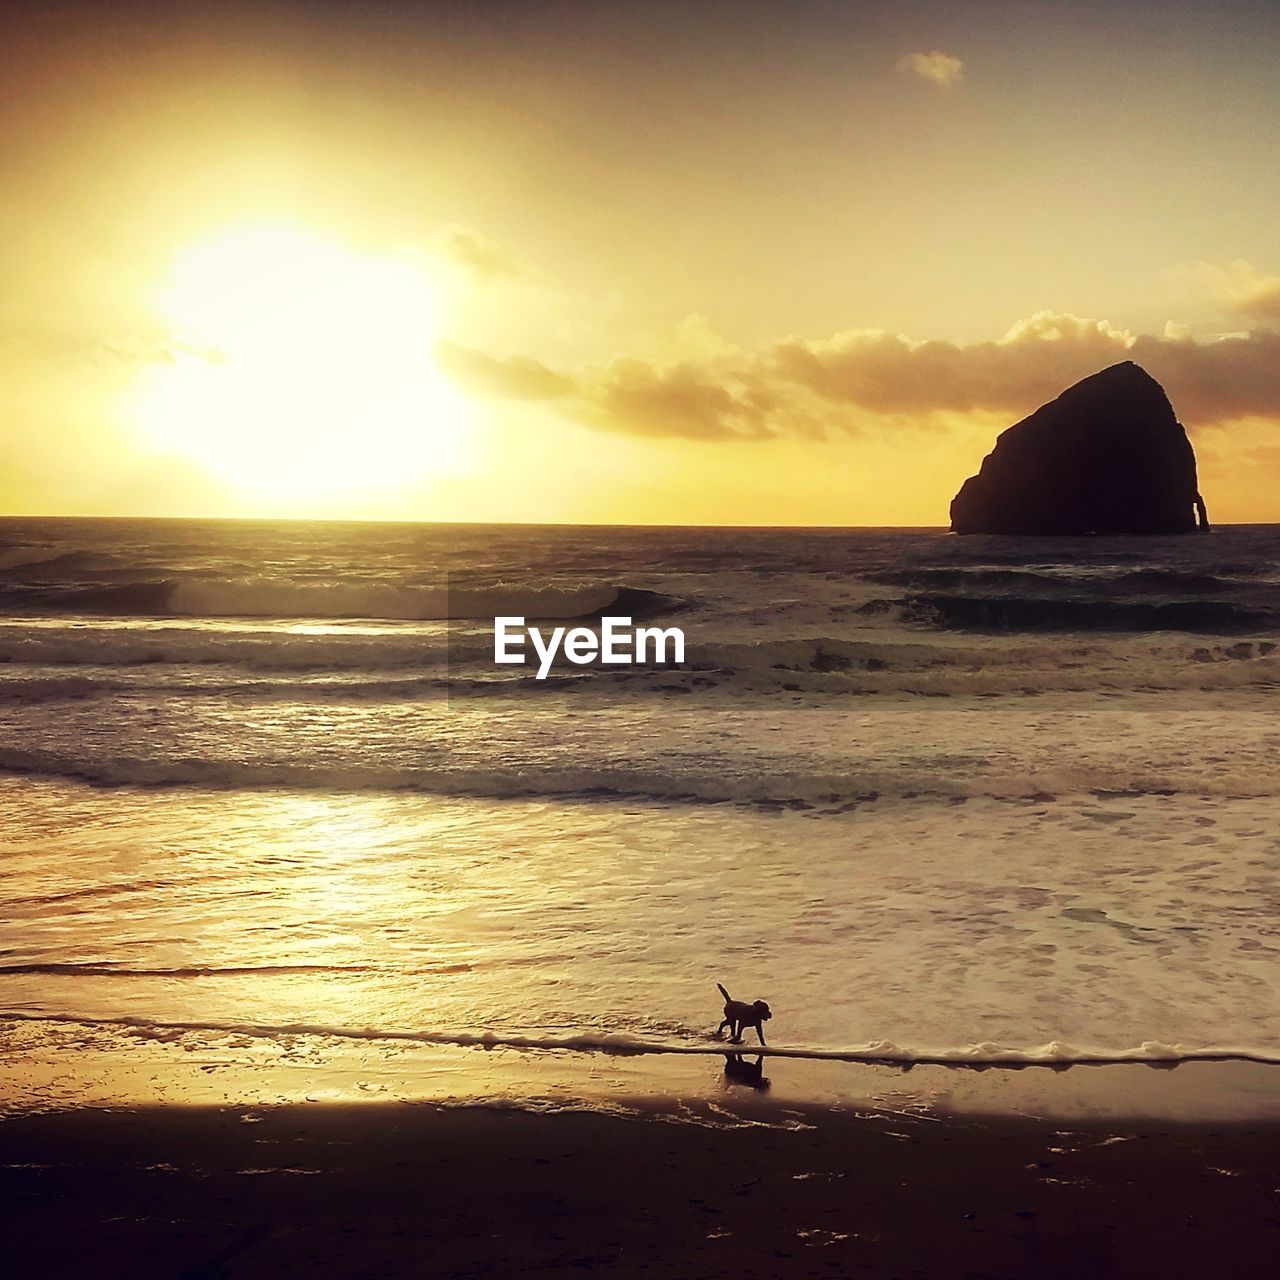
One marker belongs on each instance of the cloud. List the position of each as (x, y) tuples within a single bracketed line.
[(694, 399), (863, 380), (942, 69), (1212, 383), (892, 374), (507, 378), (1239, 288), (684, 398), (477, 254), (1208, 382), (69, 345)]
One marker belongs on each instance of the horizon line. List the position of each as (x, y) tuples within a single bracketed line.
[(6, 517)]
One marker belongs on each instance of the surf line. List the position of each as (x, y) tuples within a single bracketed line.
[(618, 643), (884, 1053)]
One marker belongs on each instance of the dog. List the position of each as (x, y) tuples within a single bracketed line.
[(738, 1016)]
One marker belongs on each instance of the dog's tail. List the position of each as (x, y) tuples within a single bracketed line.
[(724, 993)]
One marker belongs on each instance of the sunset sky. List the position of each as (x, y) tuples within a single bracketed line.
[(790, 263)]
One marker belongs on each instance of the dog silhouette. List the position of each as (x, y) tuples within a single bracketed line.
[(739, 1015)]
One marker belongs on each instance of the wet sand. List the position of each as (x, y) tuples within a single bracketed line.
[(658, 1189)]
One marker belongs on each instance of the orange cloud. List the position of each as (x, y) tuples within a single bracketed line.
[(942, 69), (860, 379), (477, 254), (686, 398), (505, 378), (1241, 289)]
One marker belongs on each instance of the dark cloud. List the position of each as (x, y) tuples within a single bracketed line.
[(1214, 382)]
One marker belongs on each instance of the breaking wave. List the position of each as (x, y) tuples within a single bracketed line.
[(265, 598), (77, 970), (883, 1052), (46, 665), (798, 788), (1000, 613), (1152, 581)]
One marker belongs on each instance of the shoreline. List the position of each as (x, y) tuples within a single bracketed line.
[(55, 1064), (1055, 1056), (94, 1064)]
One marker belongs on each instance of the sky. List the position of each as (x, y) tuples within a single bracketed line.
[(748, 263)]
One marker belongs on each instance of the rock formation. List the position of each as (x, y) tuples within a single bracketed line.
[(1107, 456)]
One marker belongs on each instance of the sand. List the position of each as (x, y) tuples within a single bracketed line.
[(740, 1184)]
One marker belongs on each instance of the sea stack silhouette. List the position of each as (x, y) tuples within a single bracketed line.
[(1108, 456)]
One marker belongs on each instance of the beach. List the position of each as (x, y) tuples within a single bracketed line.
[(457, 1162), (677, 1184)]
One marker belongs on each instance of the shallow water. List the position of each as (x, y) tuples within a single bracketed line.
[(929, 796)]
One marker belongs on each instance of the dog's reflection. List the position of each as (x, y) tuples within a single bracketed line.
[(739, 1069)]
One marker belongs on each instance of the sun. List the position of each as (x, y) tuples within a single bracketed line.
[(300, 370)]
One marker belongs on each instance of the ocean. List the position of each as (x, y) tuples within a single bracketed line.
[(968, 800)]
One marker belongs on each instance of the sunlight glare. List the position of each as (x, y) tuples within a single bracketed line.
[(301, 369)]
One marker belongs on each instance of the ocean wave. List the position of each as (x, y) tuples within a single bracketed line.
[(883, 1052), (353, 689), (55, 689), (1040, 613), (44, 665), (832, 666), (13, 559), (71, 969), (1155, 581), (253, 651), (266, 598), (798, 789)]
